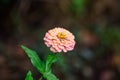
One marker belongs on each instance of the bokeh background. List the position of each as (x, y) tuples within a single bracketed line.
[(95, 24)]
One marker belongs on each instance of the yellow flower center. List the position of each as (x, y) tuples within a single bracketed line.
[(61, 35)]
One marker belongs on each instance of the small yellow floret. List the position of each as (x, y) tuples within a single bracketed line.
[(61, 35)]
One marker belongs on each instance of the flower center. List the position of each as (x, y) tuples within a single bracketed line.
[(61, 35)]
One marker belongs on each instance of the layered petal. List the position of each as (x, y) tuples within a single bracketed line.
[(59, 39)]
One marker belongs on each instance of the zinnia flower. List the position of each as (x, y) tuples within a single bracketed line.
[(59, 39)]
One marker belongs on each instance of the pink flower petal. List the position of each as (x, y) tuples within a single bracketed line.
[(59, 39)]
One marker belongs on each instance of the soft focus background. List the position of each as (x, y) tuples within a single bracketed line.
[(95, 24)]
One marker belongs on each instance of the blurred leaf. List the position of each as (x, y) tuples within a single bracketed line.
[(50, 76), (29, 76), (109, 36), (35, 60), (50, 59), (78, 6)]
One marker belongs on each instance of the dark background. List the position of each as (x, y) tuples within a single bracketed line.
[(95, 24)]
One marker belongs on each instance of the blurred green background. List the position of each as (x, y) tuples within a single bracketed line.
[(95, 24)]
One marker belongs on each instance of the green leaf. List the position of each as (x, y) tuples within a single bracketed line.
[(35, 60), (50, 59), (29, 76), (50, 76)]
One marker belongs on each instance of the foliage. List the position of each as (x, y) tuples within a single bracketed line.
[(78, 6), (29, 76), (43, 67)]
